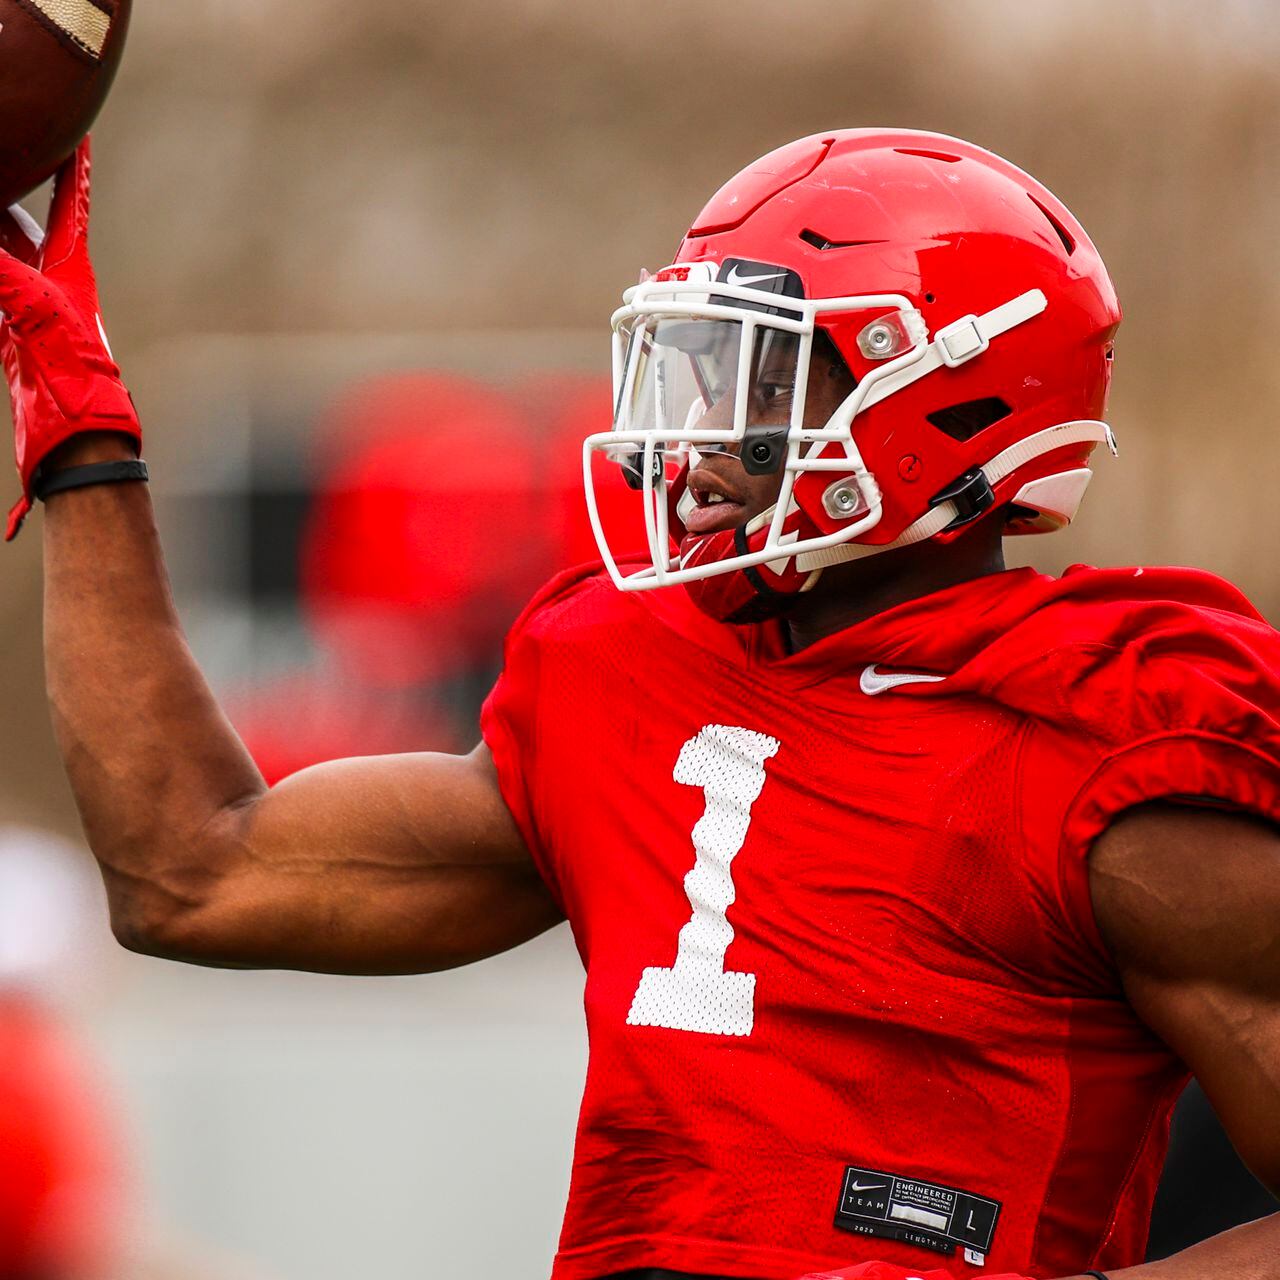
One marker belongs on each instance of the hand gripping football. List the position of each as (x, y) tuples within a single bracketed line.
[(63, 380), (57, 61)]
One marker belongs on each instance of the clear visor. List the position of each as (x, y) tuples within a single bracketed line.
[(690, 380)]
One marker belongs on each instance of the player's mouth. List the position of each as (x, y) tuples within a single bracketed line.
[(719, 504)]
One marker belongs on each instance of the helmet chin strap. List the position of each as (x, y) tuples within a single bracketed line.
[(777, 583), (768, 590), (942, 516)]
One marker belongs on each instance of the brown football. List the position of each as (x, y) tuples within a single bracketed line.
[(57, 61)]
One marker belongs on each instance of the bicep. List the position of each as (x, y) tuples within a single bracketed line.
[(1189, 902), (384, 864)]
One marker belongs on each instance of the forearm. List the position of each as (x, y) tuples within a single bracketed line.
[(1251, 1252), (393, 865), (153, 763)]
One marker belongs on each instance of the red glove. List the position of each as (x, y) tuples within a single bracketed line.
[(889, 1271), (63, 381)]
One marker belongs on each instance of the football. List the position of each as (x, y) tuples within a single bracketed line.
[(57, 61)]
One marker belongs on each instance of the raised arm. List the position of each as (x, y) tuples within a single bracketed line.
[(380, 865)]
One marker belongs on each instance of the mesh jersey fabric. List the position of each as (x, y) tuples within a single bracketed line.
[(826, 930)]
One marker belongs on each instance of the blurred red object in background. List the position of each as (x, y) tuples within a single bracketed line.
[(62, 1196), (429, 527), (309, 718), (565, 409)]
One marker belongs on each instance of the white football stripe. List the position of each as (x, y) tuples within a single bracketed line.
[(84, 22)]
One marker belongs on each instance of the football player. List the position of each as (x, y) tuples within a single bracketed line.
[(909, 889)]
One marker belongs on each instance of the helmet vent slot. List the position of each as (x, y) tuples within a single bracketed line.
[(945, 156), (819, 241), (964, 421), (1068, 243)]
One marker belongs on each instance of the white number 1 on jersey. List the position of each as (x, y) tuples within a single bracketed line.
[(696, 993)]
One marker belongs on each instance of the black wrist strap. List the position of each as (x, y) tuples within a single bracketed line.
[(1097, 1275), (94, 473)]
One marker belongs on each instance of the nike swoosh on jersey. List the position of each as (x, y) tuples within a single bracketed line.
[(874, 682), (870, 1186)]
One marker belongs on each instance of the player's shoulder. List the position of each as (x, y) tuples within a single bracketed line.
[(581, 605), (1143, 648), (1160, 616), (581, 591), (575, 607)]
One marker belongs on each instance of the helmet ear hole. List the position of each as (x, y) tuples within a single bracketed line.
[(964, 421)]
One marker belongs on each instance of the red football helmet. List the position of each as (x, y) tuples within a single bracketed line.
[(970, 307)]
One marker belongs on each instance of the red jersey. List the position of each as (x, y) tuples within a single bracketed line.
[(845, 994)]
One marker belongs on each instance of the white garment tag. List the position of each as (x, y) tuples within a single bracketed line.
[(974, 1258), (875, 1202)]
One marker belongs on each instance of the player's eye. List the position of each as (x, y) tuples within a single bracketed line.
[(774, 391)]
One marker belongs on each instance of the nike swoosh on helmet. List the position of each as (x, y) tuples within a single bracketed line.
[(735, 277)]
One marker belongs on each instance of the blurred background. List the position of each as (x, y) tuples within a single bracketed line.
[(358, 263)]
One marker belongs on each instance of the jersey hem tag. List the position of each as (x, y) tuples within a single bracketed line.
[(894, 1206)]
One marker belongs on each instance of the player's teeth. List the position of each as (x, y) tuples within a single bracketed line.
[(714, 497)]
